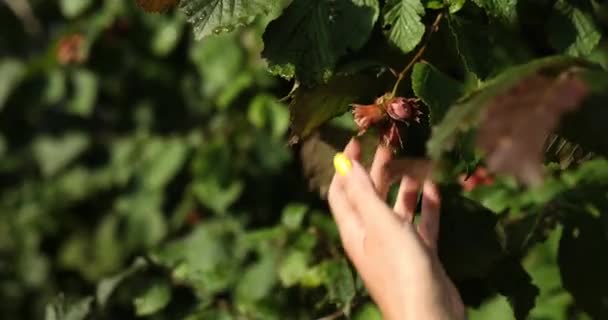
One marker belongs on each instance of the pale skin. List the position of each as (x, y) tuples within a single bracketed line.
[(396, 259)]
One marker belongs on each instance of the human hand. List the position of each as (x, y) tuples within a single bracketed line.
[(396, 259)]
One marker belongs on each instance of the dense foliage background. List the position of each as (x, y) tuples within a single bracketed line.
[(144, 173)]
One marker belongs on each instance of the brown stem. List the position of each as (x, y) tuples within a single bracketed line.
[(419, 54)]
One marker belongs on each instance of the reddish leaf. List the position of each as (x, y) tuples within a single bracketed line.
[(515, 124), (156, 5)]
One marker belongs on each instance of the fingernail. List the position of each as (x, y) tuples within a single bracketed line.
[(342, 164)]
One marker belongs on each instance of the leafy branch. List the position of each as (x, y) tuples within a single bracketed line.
[(419, 53)]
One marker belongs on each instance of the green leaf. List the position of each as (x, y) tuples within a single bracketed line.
[(309, 38), (293, 214), (210, 17), (584, 274), (435, 89), (266, 112), (218, 60), (368, 311), (73, 8), (155, 297), (573, 30), (257, 281), (584, 126), (401, 23), (471, 248), (496, 309), (12, 72), (486, 48), (455, 5), (85, 92), (217, 196), (339, 282), (64, 309), (54, 154), (512, 281), (204, 258), (313, 107), (167, 37), (469, 243), (293, 267), (107, 286), (505, 11), (160, 161)]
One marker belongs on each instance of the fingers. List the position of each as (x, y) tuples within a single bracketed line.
[(407, 197), (428, 227), (346, 217), (353, 150), (379, 170), (362, 196)]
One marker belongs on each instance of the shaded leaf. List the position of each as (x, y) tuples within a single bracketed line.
[(472, 248), (572, 29), (12, 73), (309, 38), (486, 48), (584, 273), (401, 23), (513, 282), (312, 107), (435, 89), (504, 11), (587, 124), (469, 242)]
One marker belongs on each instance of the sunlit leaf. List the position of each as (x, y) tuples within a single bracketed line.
[(309, 38), (209, 17), (401, 23), (155, 297)]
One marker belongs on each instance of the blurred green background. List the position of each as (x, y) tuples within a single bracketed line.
[(145, 174)]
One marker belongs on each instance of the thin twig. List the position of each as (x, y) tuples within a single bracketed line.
[(434, 27)]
